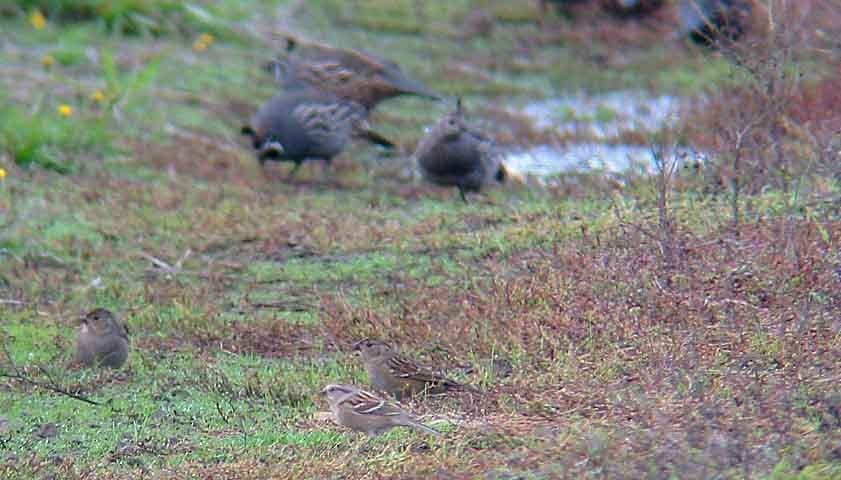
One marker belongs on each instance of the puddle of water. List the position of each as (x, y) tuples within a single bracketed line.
[(606, 115), (583, 157), (597, 118)]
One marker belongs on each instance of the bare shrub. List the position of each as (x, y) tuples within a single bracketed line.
[(775, 125)]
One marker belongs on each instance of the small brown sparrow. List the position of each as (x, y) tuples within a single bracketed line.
[(365, 412), (102, 340), (390, 372)]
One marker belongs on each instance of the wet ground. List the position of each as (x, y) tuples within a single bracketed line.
[(595, 130)]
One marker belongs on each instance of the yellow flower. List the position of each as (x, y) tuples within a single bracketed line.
[(36, 18), (205, 40), (65, 110), (97, 96), (48, 61), (2, 174)]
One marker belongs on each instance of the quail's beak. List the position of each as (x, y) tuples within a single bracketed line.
[(277, 69), (270, 149)]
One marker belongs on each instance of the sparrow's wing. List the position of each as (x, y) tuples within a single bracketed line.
[(404, 368), (365, 403)]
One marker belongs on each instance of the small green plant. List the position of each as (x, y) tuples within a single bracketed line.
[(154, 17), (52, 138), (48, 138)]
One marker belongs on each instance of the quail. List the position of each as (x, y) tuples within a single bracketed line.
[(453, 154), (706, 22), (390, 372), (359, 76), (102, 340), (308, 124), (365, 412)]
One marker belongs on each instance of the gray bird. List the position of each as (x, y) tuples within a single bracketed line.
[(102, 340), (308, 124), (358, 76), (390, 372), (453, 154), (365, 412)]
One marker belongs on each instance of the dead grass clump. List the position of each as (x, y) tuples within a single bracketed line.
[(605, 23), (277, 339), (197, 157), (703, 352)]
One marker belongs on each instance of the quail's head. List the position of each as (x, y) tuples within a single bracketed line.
[(373, 350), (266, 149), (453, 124)]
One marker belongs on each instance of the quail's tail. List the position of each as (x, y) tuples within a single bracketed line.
[(423, 428), (375, 137)]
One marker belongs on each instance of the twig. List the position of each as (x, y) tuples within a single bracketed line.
[(158, 262), (53, 386), (183, 257), (284, 306), (170, 269)]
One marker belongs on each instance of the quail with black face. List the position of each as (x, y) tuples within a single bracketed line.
[(308, 124)]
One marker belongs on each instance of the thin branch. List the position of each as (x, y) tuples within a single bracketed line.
[(158, 262), (52, 386)]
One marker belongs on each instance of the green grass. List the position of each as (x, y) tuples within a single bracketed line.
[(48, 139), (135, 17)]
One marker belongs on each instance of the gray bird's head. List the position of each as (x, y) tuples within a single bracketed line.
[(100, 321), (373, 349)]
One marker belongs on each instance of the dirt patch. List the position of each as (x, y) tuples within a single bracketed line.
[(279, 339), (196, 156)]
